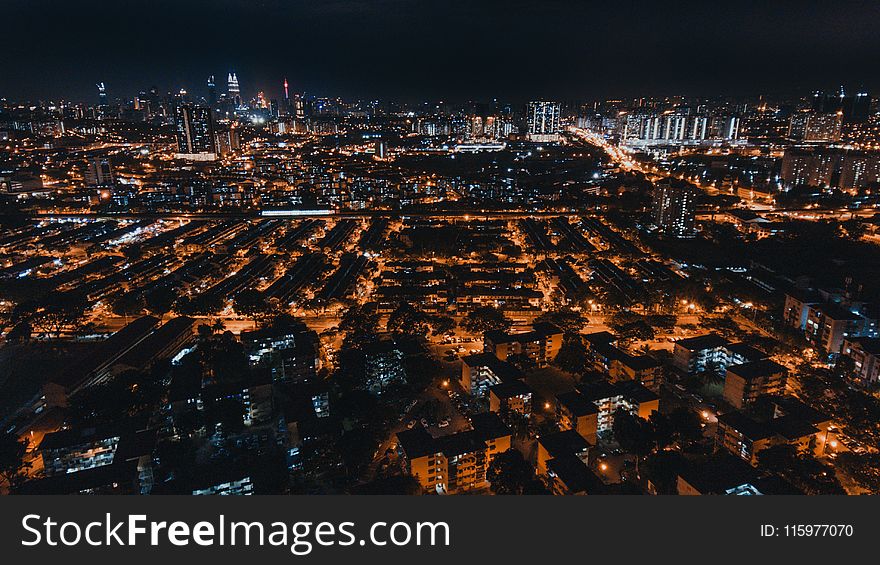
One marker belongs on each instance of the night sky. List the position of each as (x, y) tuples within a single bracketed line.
[(438, 49)]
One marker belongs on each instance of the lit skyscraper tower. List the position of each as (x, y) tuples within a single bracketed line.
[(233, 89), (102, 94), (543, 121), (212, 92), (195, 133), (286, 93), (299, 107), (675, 208)]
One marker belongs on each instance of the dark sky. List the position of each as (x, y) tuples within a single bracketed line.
[(455, 49)]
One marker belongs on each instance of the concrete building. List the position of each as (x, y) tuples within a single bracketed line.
[(457, 462), (574, 412), (865, 355), (511, 396), (744, 383), (541, 345), (481, 371)]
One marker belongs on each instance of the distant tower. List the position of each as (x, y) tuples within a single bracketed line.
[(212, 92), (233, 89), (543, 120), (195, 133), (286, 94), (675, 208), (102, 94), (99, 172)]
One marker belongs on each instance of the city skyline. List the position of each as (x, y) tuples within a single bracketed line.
[(562, 50)]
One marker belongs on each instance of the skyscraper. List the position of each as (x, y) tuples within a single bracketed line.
[(815, 126), (233, 89), (299, 108), (102, 94), (195, 133), (543, 121), (99, 172), (675, 208), (854, 108), (285, 106), (212, 92)]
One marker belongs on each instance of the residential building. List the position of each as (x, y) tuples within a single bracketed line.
[(574, 412), (561, 444), (541, 345), (542, 119), (569, 475), (675, 208), (511, 396), (744, 383), (456, 462), (697, 354), (865, 355), (641, 368), (744, 436), (481, 371)]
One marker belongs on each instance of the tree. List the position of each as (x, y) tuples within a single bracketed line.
[(845, 366), (360, 322), (686, 426), (250, 303), (572, 356), (634, 434), (12, 464), (486, 318), (204, 332), (127, 304), (509, 473), (421, 371), (854, 229), (20, 333), (680, 426), (568, 320), (442, 324), (661, 429), (662, 469), (59, 311), (407, 320), (161, 300), (800, 469), (203, 304), (864, 469), (100, 404)]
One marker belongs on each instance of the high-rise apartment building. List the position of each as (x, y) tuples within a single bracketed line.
[(675, 208), (195, 133), (543, 121)]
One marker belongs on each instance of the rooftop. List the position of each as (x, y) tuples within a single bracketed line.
[(567, 442), (576, 404), (756, 369), (699, 343)]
